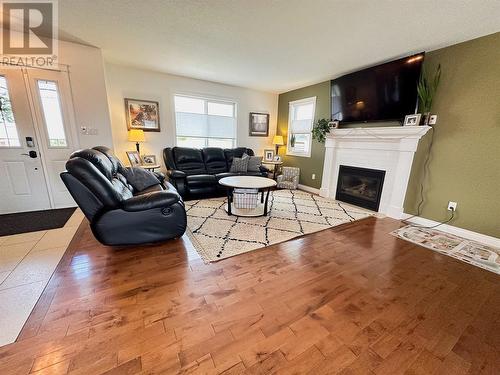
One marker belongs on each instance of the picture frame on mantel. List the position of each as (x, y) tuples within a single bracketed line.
[(412, 120), (258, 124), (142, 114)]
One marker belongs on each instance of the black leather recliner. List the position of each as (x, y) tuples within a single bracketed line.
[(119, 213), (195, 173)]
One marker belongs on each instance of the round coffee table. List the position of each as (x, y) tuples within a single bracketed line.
[(262, 184)]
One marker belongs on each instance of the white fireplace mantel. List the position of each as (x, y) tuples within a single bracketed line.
[(390, 149)]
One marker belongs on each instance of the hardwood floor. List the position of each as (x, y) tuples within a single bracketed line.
[(349, 300)]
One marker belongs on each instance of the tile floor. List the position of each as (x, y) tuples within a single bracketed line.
[(27, 261)]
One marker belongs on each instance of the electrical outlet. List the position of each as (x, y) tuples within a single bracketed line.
[(313, 176), (87, 130), (452, 206)]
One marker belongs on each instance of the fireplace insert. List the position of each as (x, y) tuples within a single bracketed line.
[(360, 186)]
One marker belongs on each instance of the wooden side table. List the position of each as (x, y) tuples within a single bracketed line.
[(149, 167), (277, 165)]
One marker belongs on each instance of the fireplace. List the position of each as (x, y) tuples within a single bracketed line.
[(360, 186)]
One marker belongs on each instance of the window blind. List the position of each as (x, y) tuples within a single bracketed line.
[(204, 122), (205, 126)]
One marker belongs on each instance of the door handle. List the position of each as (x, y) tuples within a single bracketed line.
[(31, 154)]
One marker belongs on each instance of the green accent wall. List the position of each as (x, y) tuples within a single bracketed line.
[(464, 164), (314, 164)]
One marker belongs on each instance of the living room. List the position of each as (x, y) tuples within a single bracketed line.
[(250, 187)]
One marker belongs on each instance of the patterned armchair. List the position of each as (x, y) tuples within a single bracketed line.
[(289, 178)]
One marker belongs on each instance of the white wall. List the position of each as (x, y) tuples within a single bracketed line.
[(125, 82), (88, 86)]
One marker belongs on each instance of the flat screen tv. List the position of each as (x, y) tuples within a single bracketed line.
[(386, 92)]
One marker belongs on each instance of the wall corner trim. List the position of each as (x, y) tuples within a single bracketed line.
[(464, 233), (309, 189)]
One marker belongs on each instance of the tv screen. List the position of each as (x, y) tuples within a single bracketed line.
[(384, 92)]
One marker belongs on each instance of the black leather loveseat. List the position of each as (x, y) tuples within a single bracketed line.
[(195, 173), (125, 206)]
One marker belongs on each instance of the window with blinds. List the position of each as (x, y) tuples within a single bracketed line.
[(202, 122), (300, 123)]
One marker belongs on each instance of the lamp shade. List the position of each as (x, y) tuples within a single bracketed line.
[(136, 135), (278, 140)]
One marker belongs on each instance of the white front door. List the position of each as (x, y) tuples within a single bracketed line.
[(54, 117), (37, 135), (22, 180)]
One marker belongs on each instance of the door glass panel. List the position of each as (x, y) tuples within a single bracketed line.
[(8, 131), (52, 113)]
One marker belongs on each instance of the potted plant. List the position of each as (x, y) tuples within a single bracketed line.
[(321, 128), (426, 90)]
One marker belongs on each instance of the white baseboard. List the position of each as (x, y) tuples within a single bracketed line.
[(465, 233), (309, 189)]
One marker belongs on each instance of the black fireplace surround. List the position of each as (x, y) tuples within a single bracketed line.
[(360, 186)]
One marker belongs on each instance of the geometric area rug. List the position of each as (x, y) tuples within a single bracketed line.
[(472, 252), (292, 213)]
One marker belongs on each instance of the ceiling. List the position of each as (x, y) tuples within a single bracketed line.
[(270, 45)]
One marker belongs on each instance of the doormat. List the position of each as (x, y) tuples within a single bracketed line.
[(34, 221), (472, 252)]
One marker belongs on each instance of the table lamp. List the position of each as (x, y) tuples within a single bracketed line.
[(136, 135), (278, 141)]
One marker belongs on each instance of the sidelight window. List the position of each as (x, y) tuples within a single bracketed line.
[(9, 136), (52, 113)]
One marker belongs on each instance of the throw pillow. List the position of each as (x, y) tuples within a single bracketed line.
[(239, 164), (254, 162), (139, 178)]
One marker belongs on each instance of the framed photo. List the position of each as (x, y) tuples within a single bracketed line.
[(142, 114), (149, 159), (412, 120), (259, 124), (268, 155), (134, 158)]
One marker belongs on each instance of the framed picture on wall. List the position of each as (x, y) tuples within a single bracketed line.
[(142, 114), (259, 124)]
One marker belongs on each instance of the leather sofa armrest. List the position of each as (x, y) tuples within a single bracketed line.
[(175, 173), (155, 199), (160, 176), (264, 169)]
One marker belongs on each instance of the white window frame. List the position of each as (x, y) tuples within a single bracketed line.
[(207, 98), (289, 149)]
